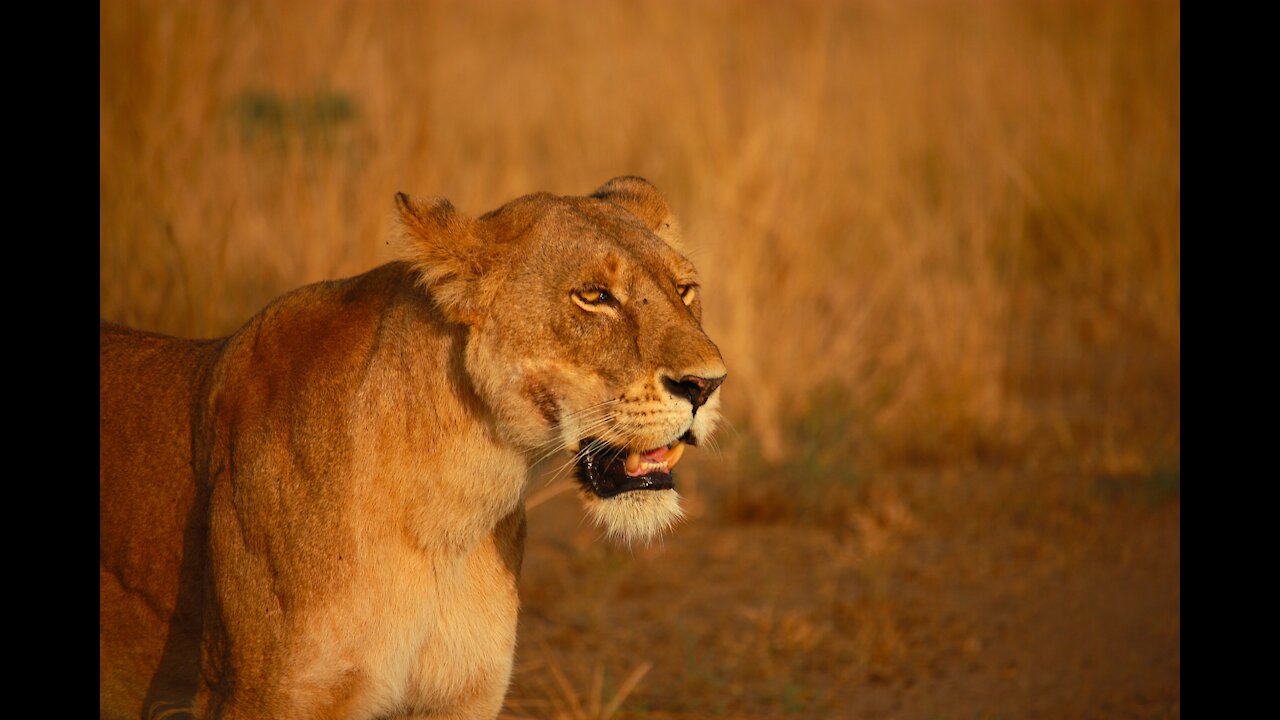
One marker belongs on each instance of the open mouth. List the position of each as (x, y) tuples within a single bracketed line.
[(607, 470)]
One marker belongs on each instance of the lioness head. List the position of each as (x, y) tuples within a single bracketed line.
[(585, 334)]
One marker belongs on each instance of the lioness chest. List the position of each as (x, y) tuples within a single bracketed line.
[(417, 635)]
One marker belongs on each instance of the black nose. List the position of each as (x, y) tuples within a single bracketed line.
[(697, 389)]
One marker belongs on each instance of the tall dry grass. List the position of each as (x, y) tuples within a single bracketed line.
[(961, 220)]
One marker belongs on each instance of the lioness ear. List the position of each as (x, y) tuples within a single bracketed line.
[(440, 243), (645, 202)]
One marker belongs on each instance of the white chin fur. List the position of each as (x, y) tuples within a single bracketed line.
[(636, 516)]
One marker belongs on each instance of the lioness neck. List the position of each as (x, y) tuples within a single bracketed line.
[(439, 448), (415, 449)]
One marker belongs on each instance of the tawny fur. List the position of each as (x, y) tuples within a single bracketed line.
[(322, 515)]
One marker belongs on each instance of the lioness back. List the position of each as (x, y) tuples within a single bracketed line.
[(147, 491)]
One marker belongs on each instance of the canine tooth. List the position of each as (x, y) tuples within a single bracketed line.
[(673, 455), (633, 461)]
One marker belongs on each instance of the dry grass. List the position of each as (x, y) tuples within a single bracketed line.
[(957, 225), (966, 214), (556, 698)]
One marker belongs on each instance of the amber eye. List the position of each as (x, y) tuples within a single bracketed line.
[(687, 292), (592, 298)]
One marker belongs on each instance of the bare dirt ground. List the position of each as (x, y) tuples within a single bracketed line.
[(942, 595)]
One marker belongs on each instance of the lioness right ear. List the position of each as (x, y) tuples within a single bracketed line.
[(643, 200), (439, 242)]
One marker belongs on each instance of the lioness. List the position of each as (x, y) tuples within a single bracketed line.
[(322, 515)]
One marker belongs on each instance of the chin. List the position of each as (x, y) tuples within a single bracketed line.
[(637, 516)]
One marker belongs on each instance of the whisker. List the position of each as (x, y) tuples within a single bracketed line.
[(561, 470), (582, 452), (561, 443), (732, 427), (596, 444), (589, 421), (714, 446), (587, 414), (578, 414), (603, 403)]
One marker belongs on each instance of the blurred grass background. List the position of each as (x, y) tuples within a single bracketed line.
[(933, 235)]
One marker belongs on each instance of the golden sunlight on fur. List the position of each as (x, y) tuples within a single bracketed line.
[(323, 514)]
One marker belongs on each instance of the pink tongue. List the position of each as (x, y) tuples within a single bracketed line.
[(654, 455)]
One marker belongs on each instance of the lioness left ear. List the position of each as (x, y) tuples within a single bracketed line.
[(441, 245), (643, 200)]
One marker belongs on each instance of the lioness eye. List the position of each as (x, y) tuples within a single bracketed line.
[(687, 292), (594, 296)]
